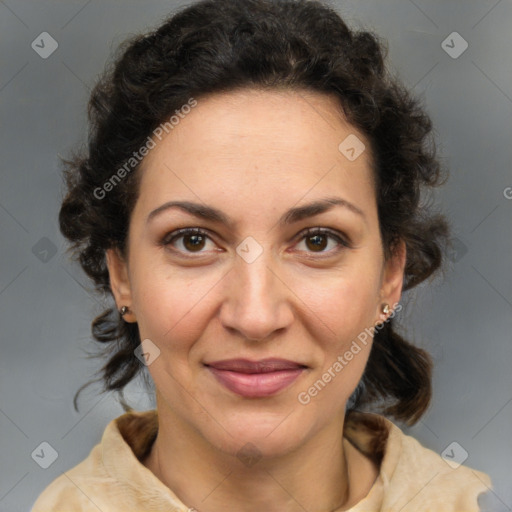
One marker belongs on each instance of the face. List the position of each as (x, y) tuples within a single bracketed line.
[(266, 275)]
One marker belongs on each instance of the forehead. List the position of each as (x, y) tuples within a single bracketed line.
[(272, 144), (285, 120)]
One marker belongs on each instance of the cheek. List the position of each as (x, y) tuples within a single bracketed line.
[(344, 305), (169, 314), (345, 315), (170, 305)]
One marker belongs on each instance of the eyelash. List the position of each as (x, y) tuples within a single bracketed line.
[(309, 232)]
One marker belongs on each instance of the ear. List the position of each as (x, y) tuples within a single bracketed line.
[(120, 282), (392, 280)]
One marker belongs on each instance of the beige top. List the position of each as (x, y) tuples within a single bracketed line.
[(412, 478)]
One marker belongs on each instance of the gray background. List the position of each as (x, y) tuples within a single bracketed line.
[(46, 303)]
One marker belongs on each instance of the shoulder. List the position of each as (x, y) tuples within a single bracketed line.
[(414, 477), (70, 491), (98, 479), (427, 479)]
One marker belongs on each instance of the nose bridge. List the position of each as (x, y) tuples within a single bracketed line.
[(256, 302), (256, 277)]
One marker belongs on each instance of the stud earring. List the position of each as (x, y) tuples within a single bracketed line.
[(385, 309), (123, 310)]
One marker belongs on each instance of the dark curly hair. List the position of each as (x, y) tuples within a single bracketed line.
[(217, 46)]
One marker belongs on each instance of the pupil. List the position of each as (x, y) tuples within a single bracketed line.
[(198, 241), (318, 241)]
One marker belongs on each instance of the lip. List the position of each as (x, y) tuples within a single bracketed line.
[(256, 379)]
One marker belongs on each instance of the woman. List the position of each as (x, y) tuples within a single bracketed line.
[(251, 199)]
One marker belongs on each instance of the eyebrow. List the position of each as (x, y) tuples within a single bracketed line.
[(295, 214)]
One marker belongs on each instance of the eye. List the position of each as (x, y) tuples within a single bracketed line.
[(192, 240), (317, 239)]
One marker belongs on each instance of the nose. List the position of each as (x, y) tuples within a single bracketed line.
[(257, 300)]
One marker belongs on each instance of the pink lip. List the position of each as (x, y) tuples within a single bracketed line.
[(255, 379)]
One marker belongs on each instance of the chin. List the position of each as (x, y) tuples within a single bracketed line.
[(267, 435), (251, 448)]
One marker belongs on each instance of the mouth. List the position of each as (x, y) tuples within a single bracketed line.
[(256, 379)]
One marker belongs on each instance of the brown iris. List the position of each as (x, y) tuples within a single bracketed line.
[(197, 241), (319, 241)]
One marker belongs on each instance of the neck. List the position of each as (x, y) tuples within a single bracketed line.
[(317, 476)]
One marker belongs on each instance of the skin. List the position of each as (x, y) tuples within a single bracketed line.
[(254, 155)]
